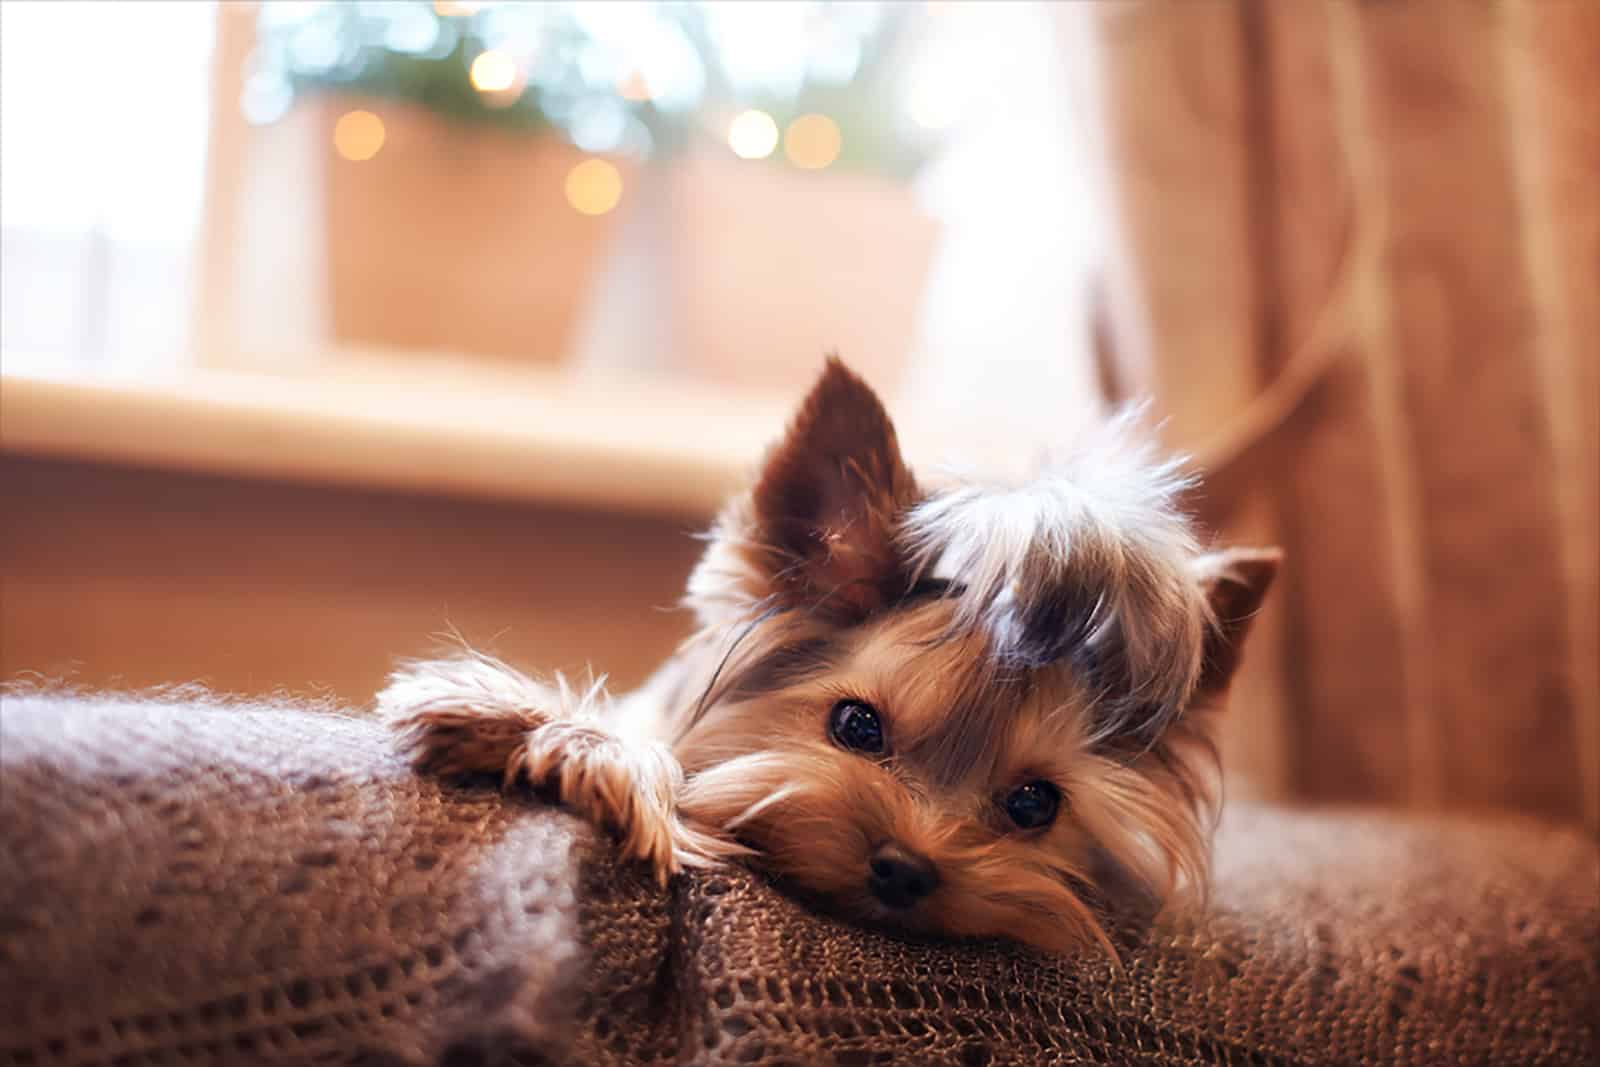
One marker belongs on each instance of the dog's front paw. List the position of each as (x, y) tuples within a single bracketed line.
[(458, 741), (478, 716), (463, 716), (628, 787)]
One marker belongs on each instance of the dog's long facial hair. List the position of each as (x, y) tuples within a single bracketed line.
[(970, 711)]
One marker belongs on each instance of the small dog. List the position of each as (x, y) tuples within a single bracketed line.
[(973, 711)]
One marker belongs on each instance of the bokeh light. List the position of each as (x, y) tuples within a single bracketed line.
[(752, 134), (632, 80), (358, 135), (812, 141), (634, 87), (265, 99), (494, 71), (594, 187)]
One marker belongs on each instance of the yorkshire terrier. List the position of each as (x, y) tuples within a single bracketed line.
[(975, 710)]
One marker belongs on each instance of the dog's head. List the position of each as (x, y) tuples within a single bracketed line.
[(972, 711)]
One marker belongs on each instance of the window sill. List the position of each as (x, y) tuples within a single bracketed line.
[(513, 434)]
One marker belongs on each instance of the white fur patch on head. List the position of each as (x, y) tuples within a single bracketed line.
[(1088, 562)]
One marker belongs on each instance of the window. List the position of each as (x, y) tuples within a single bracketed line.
[(104, 112), (285, 210)]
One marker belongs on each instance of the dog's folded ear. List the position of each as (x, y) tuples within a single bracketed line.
[(1235, 581), (824, 512)]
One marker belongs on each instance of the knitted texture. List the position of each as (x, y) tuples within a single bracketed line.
[(187, 882)]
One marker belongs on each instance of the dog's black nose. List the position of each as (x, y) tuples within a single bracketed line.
[(899, 877)]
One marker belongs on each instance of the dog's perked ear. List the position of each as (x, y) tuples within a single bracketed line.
[(824, 511), (1235, 582)]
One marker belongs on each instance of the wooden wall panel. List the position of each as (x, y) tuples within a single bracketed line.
[(117, 577), (1347, 637), (1462, 333), (1184, 263), (1178, 120), (1551, 53), (1400, 204)]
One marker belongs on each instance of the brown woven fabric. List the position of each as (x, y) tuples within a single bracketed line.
[(192, 884)]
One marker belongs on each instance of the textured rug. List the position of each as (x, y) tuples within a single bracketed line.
[(188, 882)]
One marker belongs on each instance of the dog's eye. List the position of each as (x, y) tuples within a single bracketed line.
[(1033, 804), (855, 726)]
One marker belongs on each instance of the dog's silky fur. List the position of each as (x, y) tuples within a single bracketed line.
[(1068, 630)]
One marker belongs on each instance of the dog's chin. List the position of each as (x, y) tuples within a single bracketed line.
[(927, 921), (917, 919), (860, 908), (952, 917), (1051, 918)]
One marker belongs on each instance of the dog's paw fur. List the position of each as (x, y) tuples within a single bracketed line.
[(476, 715), (628, 787)]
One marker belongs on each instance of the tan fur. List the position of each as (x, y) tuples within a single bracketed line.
[(814, 590)]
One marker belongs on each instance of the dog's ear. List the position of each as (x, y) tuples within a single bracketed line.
[(825, 508), (1235, 581)]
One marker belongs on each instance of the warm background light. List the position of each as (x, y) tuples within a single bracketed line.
[(493, 72), (447, 8), (594, 187), (358, 135), (812, 142), (752, 135), (634, 87)]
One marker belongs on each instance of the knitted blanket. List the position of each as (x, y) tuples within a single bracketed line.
[(183, 881)]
